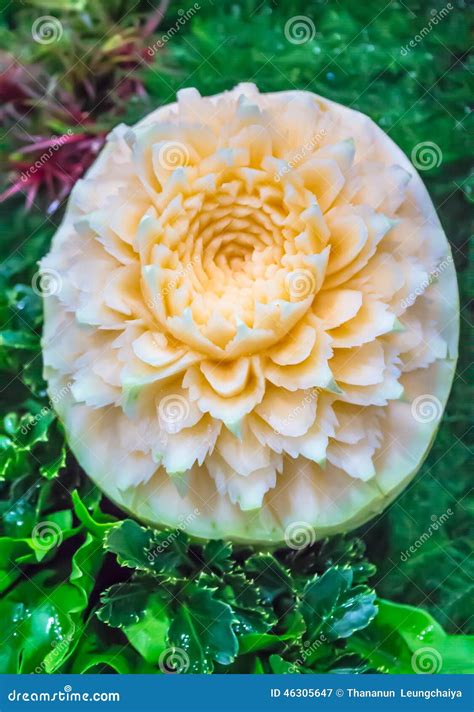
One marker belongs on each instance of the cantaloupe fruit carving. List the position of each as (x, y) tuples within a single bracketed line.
[(256, 321)]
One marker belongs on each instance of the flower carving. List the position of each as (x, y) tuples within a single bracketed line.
[(247, 313)]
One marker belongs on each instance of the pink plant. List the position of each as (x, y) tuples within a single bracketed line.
[(59, 163), (31, 101)]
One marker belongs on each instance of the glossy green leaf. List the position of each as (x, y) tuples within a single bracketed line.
[(270, 576), (123, 604), (202, 627), (97, 523), (330, 604), (147, 550), (149, 636), (404, 639), (99, 651)]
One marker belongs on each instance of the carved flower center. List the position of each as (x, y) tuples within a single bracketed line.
[(234, 261)]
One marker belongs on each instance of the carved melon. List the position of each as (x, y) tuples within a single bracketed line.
[(256, 323)]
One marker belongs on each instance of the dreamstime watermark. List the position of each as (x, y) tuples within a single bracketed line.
[(300, 155), (300, 283), (309, 396), (47, 535), (432, 277), (64, 695), (55, 144), (426, 408), (426, 661), (306, 650), (438, 15), (46, 282), (54, 400), (46, 29), (166, 543), (58, 649), (299, 535), (172, 155), (184, 17), (426, 155), (300, 29), (172, 412), (174, 661), (436, 523)]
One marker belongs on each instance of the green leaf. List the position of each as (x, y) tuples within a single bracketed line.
[(245, 599), (43, 615), (332, 606), (160, 553), (86, 563), (7, 455), (255, 642), (202, 627), (280, 666), (49, 534), (97, 523), (257, 668), (100, 651), (19, 340), (29, 631), (251, 616), (42, 541), (457, 654), (123, 604), (217, 555), (322, 594), (403, 639), (32, 428), (53, 454), (150, 635), (72, 5), (270, 576)]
